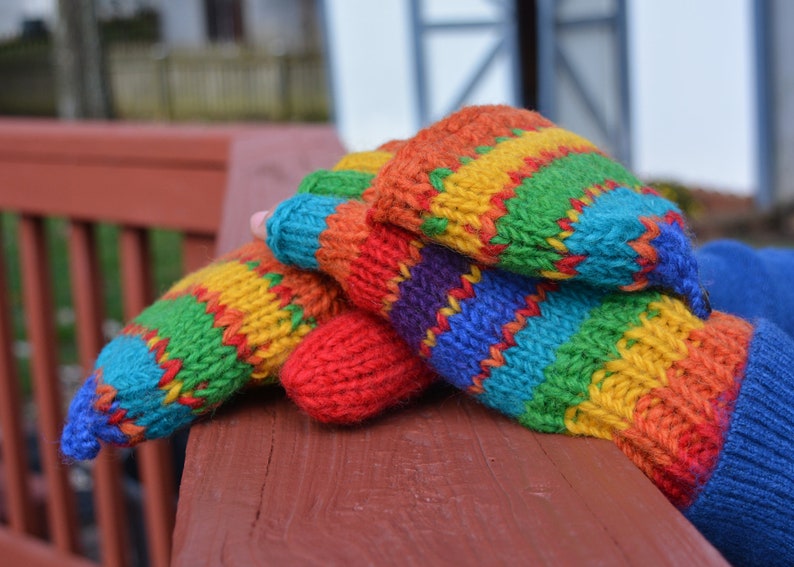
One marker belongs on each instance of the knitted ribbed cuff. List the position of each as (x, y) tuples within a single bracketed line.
[(745, 509)]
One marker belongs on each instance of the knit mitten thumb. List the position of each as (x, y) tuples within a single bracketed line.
[(699, 405), (508, 188), (231, 325)]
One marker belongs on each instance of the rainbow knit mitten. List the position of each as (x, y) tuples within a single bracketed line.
[(234, 324), (508, 188), (701, 405)]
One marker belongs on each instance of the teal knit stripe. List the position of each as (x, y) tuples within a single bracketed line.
[(511, 385), (567, 379), (596, 229), (130, 367), (544, 198), (293, 233)]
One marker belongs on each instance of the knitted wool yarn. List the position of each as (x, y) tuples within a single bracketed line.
[(682, 397), (353, 368), (749, 283), (508, 188), (233, 324), (213, 332)]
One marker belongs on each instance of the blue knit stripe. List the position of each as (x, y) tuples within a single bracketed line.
[(459, 351), (609, 224), (510, 386), (131, 368), (677, 268), (751, 486), (293, 232)]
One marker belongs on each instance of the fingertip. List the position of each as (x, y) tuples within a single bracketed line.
[(258, 223)]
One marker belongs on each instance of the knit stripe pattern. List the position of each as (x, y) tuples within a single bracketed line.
[(508, 188), (230, 324), (637, 368), (215, 331)]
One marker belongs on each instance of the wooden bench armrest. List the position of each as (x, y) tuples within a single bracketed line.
[(444, 480)]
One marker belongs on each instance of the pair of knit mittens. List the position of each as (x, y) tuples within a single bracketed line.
[(514, 260)]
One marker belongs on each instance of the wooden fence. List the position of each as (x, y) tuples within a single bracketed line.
[(215, 83), (151, 82)]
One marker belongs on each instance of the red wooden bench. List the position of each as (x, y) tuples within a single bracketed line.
[(441, 481)]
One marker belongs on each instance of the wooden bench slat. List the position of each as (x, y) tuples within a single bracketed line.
[(105, 141), (443, 481), (154, 457), (134, 196), (38, 305), (88, 305), (18, 498), (19, 549)]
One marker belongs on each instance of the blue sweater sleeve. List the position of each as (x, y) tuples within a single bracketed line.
[(751, 283)]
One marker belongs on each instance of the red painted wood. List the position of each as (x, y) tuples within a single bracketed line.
[(18, 499), (177, 198), (37, 301), (444, 481), (25, 551), (197, 251), (87, 299), (266, 169)]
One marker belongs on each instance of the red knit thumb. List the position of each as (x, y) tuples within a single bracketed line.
[(353, 368)]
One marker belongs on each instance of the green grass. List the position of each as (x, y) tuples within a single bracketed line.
[(167, 261)]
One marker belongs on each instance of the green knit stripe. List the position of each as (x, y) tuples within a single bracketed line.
[(568, 378), (191, 335), (342, 183), (544, 198)]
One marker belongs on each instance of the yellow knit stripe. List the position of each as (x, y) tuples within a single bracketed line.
[(193, 278), (468, 191), (367, 162), (646, 353), (268, 329)]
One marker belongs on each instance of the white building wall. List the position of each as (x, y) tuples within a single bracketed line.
[(374, 80), (691, 72), (693, 92), (372, 70), (183, 23)]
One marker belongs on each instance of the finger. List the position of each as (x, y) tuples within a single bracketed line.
[(258, 224)]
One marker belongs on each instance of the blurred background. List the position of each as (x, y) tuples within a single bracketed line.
[(698, 93)]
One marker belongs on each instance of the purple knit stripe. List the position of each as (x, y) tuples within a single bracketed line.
[(426, 291)]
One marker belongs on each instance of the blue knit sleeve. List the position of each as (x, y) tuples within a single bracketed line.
[(750, 283)]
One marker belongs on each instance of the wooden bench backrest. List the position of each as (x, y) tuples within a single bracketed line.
[(137, 177)]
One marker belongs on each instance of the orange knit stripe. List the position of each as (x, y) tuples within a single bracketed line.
[(403, 185), (340, 243), (677, 431)]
